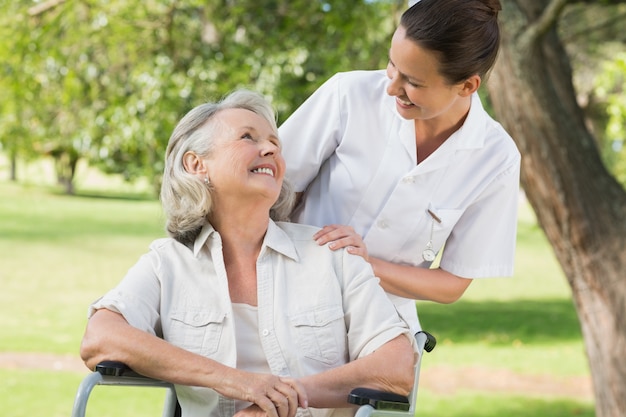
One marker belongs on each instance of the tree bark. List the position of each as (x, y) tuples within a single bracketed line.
[(579, 205)]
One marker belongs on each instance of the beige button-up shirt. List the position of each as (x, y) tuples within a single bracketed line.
[(317, 308)]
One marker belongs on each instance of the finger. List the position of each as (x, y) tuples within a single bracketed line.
[(251, 411), (334, 232), (292, 397), (281, 402), (362, 252), (267, 405), (345, 242), (324, 231), (303, 398)]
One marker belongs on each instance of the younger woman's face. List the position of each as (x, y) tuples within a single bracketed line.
[(421, 92)]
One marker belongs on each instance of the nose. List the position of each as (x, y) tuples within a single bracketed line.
[(269, 147), (394, 88)]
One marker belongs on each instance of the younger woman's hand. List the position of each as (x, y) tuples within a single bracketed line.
[(341, 236)]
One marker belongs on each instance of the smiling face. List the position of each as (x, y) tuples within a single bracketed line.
[(246, 160), (420, 91)]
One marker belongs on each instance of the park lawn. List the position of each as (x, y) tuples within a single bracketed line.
[(59, 253)]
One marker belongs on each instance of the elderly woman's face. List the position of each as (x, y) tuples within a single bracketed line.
[(246, 160)]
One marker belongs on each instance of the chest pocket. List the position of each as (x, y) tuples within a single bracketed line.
[(197, 331), (320, 333), (441, 231)]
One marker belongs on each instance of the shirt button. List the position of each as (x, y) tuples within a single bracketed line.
[(382, 224), (408, 180), (265, 332)]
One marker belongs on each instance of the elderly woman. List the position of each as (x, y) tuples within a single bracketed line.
[(244, 314)]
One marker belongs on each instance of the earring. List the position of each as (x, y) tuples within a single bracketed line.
[(206, 181)]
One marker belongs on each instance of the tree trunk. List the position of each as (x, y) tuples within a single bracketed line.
[(13, 157), (579, 205)]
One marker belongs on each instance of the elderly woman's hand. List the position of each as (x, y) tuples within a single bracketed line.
[(270, 395), (341, 236), (252, 411)]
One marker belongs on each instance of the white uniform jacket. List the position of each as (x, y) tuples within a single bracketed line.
[(354, 157)]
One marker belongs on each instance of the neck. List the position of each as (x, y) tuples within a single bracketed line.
[(242, 231), (430, 134)]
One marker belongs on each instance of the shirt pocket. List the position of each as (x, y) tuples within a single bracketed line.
[(442, 229), (320, 333), (197, 330)]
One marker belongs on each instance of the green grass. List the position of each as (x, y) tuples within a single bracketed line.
[(59, 253), (471, 404), (39, 393)]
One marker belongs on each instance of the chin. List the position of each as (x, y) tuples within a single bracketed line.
[(408, 113)]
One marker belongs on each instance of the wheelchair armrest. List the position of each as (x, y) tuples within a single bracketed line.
[(115, 368), (428, 339), (389, 401), (379, 400), (119, 374)]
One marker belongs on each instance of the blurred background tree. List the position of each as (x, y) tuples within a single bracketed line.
[(571, 143), (107, 80)]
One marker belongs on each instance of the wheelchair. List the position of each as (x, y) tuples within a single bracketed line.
[(372, 403)]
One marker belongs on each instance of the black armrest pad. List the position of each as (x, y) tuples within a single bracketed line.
[(380, 400), (114, 368)]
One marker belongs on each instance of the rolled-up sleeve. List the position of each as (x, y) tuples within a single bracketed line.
[(137, 296), (371, 317)]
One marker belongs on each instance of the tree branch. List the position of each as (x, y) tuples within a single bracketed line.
[(43, 7), (614, 21), (543, 24)]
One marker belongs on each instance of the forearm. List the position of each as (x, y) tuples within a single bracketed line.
[(389, 368), (419, 283), (109, 337)]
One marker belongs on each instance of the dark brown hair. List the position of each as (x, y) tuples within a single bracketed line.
[(463, 33)]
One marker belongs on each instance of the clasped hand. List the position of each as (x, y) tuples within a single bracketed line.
[(270, 395)]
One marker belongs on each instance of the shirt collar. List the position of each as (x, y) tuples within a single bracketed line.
[(471, 134), (275, 238)]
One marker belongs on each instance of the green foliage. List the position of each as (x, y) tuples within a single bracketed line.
[(107, 80), (610, 88), (595, 40)]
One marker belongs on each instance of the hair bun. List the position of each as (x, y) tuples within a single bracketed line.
[(494, 5)]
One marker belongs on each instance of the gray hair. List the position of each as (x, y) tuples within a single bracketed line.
[(186, 199)]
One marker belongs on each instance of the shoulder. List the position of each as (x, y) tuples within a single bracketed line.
[(366, 81), (168, 248), (296, 241), (497, 139), (297, 231), (162, 243), (359, 76), (359, 82)]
